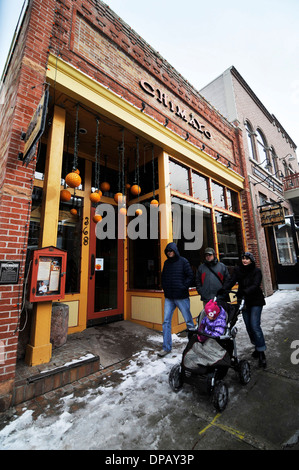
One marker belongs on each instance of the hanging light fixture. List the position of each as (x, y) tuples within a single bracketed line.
[(154, 201), (97, 218), (135, 188), (105, 186), (95, 197), (119, 197), (73, 179), (65, 195)]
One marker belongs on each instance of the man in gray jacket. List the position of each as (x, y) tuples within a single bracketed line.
[(210, 277)]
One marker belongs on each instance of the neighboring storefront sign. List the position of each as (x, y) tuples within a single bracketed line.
[(35, 129), (272, 215)]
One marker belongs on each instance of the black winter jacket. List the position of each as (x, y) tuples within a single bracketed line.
[(177, 275), (249, 279)]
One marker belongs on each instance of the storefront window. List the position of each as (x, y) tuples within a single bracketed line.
[(144, 257), (218, 195), (67, 165), (232, 201), (229, 238), (285, 244), (68, 236), (200, 187), (179, 178), (194, 256), (69, 239)]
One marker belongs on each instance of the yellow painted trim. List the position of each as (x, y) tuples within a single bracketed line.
[(39, 350), (79, 86)]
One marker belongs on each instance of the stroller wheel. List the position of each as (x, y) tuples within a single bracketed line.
[(220, 396), (244, 372), (175, 378)]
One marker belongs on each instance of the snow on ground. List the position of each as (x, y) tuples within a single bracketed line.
[(132, 412)]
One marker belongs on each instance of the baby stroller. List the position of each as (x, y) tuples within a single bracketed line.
[(206, 366)]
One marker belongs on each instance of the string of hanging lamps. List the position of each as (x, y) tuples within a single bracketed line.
[(73, 179), (105, 186), (154, 201), (119, 197), (135, 189), (95, 196), (65, 195)]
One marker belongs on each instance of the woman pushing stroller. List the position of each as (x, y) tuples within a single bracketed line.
[(249, 278)]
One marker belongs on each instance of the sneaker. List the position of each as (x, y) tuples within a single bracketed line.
[(163, 353)]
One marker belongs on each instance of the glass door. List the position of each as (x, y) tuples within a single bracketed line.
[(106, 278)]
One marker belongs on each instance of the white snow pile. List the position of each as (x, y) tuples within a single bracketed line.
[(132, 412)]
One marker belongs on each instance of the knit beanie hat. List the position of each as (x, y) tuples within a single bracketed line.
[(212, 310), (249, 255)]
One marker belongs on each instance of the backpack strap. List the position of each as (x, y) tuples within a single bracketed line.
[(215, 274)]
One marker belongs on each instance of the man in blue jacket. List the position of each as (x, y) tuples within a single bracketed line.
[(177, 277)]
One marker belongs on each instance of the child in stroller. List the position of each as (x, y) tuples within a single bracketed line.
[(210, 352)]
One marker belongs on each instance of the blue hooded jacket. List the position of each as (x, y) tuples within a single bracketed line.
[(177, 275)]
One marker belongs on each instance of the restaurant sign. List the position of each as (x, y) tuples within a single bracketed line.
[(272, 214), (162, 98)]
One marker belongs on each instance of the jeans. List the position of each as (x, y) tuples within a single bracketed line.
[(252, 319), (169, 307)]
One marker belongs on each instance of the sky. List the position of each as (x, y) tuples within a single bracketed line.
[(202, 39)]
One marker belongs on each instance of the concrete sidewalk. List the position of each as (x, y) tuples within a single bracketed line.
[(94, 350), (262, 415)]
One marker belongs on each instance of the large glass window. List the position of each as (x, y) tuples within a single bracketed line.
[(229, 238), (67, 165), (69, 239), (218, 195), (232, 201), (182, 237), (200, 187), (144, 256), (68, 236), (179, 177)]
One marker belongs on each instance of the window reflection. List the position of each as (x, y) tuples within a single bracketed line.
[(229, 238), (144, 257), (179, 177), (200, 187), (195, 257), (218, 195)]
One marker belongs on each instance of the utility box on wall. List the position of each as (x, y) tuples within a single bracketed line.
[(48, 271)]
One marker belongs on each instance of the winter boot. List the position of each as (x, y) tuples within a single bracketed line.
[(255, 354), (262, 360)]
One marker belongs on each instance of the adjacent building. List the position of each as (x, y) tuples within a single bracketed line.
[(272, 169)]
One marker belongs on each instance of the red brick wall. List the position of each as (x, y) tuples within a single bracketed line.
[(23, 91)]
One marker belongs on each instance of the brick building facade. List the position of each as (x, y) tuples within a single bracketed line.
[(118, 112)]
